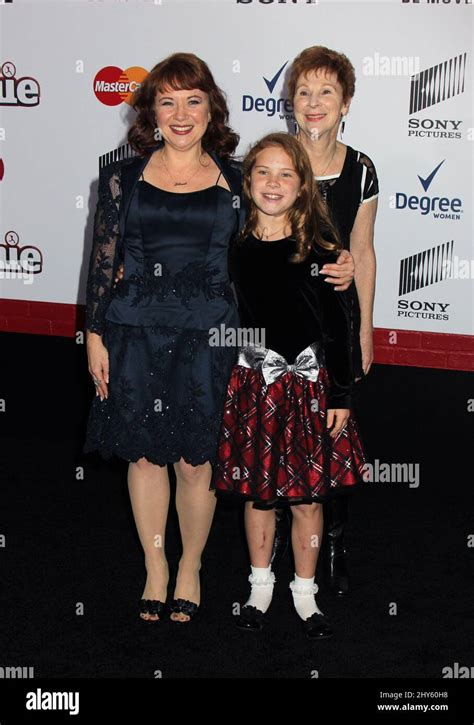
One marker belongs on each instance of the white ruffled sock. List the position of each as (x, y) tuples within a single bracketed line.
[(303, 591), (262, 581)]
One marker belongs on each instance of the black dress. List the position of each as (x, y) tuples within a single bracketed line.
[(344, 193), (274, 443), (167, 383)]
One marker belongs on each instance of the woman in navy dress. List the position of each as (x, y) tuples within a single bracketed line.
[(168, 215)]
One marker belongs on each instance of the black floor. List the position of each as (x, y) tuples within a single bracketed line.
[(70, 544)]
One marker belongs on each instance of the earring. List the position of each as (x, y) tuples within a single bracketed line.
[(297, 128), (343, 125)]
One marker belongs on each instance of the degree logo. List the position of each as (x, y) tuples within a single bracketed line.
[(112, 85)]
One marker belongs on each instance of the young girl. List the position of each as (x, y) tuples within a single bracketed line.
[(287, 435)]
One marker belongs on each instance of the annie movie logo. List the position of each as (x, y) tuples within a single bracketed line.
[(17, 262), (24, 91)]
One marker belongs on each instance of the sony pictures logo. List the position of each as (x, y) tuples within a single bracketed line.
[(430, 87), (125, 151), (422, 270), (23, 91)]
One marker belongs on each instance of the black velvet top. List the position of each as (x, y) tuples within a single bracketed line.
[(294, 306)]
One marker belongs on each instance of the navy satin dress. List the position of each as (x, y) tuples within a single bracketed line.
[(167, 382)]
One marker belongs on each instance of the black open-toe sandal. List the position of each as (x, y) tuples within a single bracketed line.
[(153, 607), (184, 606)]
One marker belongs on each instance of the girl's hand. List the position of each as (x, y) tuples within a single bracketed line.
[(120, 273), (336, 419), (98, 360), (341, 273)]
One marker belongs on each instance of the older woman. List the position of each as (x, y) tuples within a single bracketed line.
[(322, 85), (169, 214)]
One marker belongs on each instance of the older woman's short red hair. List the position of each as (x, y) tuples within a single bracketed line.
[(318, 57)]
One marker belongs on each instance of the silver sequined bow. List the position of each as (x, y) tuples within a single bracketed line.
[(274, 365)]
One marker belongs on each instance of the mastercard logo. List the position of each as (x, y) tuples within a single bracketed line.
[(113, 85)]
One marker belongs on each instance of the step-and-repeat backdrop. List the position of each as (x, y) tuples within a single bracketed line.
[(67, 70)]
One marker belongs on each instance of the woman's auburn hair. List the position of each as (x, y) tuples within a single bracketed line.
[(309, 218), (181, 71), (318, 57)]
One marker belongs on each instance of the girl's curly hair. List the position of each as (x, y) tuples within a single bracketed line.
[(310, 221)]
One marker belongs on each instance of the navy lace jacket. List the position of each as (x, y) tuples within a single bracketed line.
[(117, 181)]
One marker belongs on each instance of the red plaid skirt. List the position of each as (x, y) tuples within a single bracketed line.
[(274, 446)]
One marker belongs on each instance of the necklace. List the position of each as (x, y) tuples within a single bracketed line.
[(330, 160), (180, 183), (263, 235), (328, 165)]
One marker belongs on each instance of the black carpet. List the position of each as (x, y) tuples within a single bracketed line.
[(70, 544)]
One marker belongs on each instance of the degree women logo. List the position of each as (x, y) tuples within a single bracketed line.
[(113, 86)]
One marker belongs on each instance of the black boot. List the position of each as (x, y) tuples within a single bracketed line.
[(334, 559), (282, 534)]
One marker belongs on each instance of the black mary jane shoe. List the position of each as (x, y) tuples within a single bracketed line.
[(153, 607), (184, 606), (317, 627), (250, 618)]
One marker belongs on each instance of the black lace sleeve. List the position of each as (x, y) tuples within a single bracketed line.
[(105, 249), (369, 182)]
